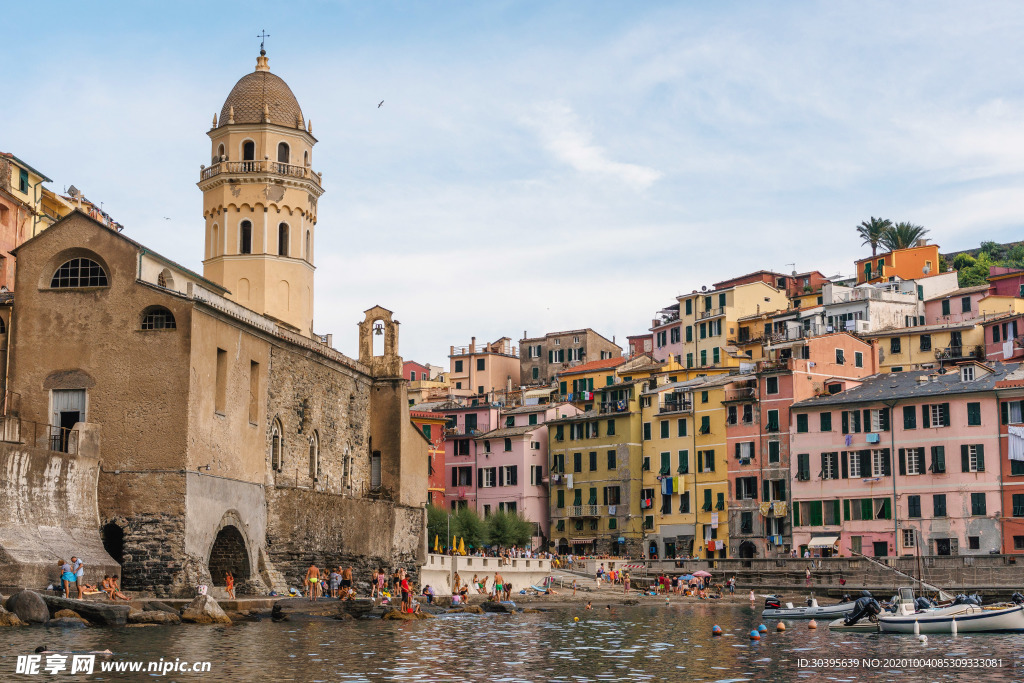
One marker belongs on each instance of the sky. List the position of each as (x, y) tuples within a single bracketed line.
[(543, 166)]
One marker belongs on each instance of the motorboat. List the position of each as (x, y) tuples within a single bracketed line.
[(963, 616), (774, 609)]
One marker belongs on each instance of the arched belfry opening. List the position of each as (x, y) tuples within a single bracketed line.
[(378, 343)]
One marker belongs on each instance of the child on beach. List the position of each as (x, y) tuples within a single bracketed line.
[(229, 585)]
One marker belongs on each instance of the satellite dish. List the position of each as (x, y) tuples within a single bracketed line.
[(74, 191)]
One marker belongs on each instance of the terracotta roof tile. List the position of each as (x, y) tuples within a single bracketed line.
[(593, 366)]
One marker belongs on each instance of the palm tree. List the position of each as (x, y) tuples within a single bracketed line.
[(902, 235), (872, 232)]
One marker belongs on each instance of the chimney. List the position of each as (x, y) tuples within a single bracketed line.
[(472, 344)]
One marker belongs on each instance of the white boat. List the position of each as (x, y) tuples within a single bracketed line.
[(811, 611), (968, 618)]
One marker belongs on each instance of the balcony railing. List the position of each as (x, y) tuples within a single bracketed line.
[(775, 365), (743, 394), (260, 166), (682, 406), (958, 352), (461, 431), (584, 510), (615, 407), (711, 313)]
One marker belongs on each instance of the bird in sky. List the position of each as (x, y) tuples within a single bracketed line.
[(381, 104), (167, 218)]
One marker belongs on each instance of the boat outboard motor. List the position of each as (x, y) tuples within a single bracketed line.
[(810, 602), (866, 594), (772, 602), (962, 599), (923, 603), (1017, 598), (864, 607)]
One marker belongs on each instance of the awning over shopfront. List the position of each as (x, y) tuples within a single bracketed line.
[(581, 541), (823, 541)]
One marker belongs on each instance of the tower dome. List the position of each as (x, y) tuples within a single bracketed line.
[(259, 93)]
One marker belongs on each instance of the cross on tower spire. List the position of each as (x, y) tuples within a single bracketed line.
[(262, 35)]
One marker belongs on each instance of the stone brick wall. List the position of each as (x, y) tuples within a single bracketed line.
[(313, 527)]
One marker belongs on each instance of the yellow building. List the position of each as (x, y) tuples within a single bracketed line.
[(928, 346), (685, 468), (260, 198), (594, 487), (709, 321), (581, 385)]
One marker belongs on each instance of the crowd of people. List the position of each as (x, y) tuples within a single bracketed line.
[(72, 580)]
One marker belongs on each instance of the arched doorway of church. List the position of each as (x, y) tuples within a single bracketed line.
[(113, 542), (229, 554)]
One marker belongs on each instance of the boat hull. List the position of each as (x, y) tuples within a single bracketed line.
[(827, 612), (971, 620)]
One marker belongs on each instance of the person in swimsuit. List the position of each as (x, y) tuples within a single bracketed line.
[(498, 588), (312, 579), (346, 583), (67, 576), (382, 579), (406, 594), (78, 567), (229, 585), (373, 583)]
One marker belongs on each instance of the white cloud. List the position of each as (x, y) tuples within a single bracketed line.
[(563, 135)]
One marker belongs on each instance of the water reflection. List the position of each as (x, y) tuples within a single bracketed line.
[(664, 642)]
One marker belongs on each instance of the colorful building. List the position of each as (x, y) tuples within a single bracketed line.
[(462, 452), (905, 264), (640, 343), (578, 384), (928, 346), (512, 474), (489, 370), (595, 464), (899, 464), (541, 358), (1010, 391), (957, 306), (710, 321), (666, 332), (432, 426), (1006, 281)]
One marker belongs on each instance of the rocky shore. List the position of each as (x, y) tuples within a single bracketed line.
[(28, 608)]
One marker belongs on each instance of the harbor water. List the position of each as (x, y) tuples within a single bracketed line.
[(670, 642)]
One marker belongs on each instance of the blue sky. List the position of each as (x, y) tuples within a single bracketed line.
[(543, 165)]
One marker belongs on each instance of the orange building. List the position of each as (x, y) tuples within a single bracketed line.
[(911, 263), (431, 425)]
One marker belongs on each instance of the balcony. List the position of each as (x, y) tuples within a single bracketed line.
[(742, 394), (585, 510), (780, 365), (960, 352), (260, 167), (680, 406), (615, 407), (462, 431), (711, 313)]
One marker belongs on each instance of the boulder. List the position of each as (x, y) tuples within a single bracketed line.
[(67, 622), (500, 607), (60, 614), (395, 615), (157, 606), (154, 617), (29, 606), (531, 611), (468, 609), (10, 618), (204, 610), (100, 613)]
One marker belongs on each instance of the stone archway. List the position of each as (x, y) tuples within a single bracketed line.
[(229, 553), (747, 550), (113, 542)]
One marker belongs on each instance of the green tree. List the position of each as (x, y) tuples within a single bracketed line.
[(508, 529), (1015, 259), (972, 271), (466, 524), (872, 231), (438, 526), (994, 250), (902, 235)]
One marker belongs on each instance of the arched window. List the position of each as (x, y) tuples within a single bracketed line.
[(276, 446), (165, 279), (283, 153), (220, 153), (215, 241), (282, 239), (157, 318), (79, 272), (314, 456), (245, 246), (248, 150), (3, 327), (305, 158), (309, 256)]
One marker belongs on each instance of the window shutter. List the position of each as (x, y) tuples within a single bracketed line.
[(965, 459), (909, 417), (709, 460), (739, 488), (835, 465), (766, 489), (867, 420), (944, 414), (561, 355), (796, 514), (737, 450), (886, 463), (855, 416), (846, 510), (846, 422), (844, 465), (865, 463), (782, 489), (455, 476), (903, 461), (700, 461), (938, 459), (885, 419), (981, 457), (1004, 410), (501, 476), (824, 465), (926, 416)]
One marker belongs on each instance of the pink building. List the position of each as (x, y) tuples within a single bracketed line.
[(954, 307), (666, 333), (1006, 281), (511, 465), (1003, 340), (900, 464), (757, 432), (414, 372), (462, 452), (484, 370)]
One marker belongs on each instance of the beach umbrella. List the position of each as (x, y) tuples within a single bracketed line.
[(437, 540), (702, 574), (688, 577), (454, 544), (462, 546)]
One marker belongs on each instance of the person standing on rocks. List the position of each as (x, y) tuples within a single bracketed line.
[(347, 589), (78, 567), (229, 585), (312, 580), (67, 576)]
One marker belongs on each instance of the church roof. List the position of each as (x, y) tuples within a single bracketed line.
[(259, 88)]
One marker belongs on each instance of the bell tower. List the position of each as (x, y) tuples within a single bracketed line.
[(260, 196)]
